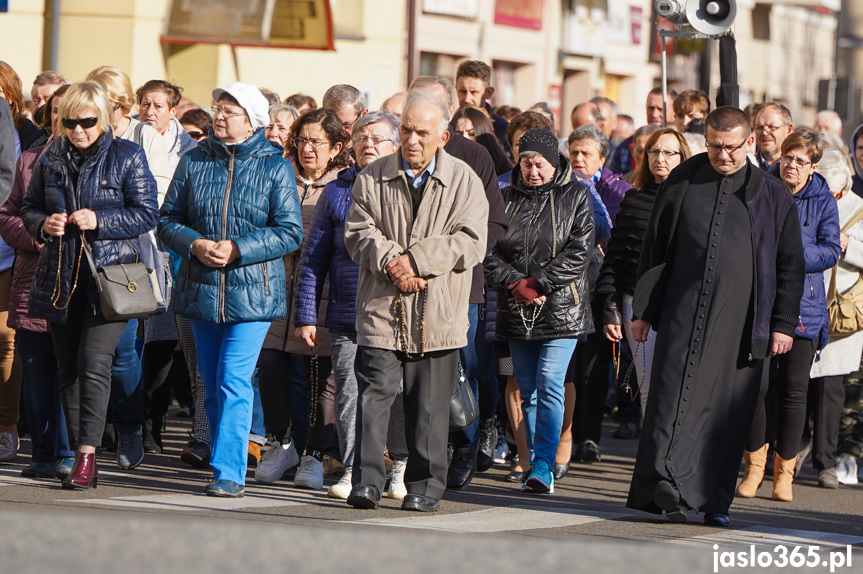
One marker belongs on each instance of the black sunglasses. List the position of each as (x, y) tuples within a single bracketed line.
[(85, 123), (196, 135)]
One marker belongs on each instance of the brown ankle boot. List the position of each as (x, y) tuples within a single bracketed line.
[(783, 476), (754, 474)]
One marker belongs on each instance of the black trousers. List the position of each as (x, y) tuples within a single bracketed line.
[(84, 347), (824, 406), (158, 359), (428, 384)]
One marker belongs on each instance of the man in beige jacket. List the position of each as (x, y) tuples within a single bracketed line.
[(416, 228)]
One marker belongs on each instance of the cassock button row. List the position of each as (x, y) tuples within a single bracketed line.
[(709, 269), (714, 245), (690, 376), (691, 362), (688, 387)]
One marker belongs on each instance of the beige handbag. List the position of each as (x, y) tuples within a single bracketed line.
[(845, 310)]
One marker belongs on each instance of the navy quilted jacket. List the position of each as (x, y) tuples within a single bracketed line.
[(324, 252), (115, 183), (244, 193)]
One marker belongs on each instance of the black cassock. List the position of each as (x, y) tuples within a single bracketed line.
[(704, 387)]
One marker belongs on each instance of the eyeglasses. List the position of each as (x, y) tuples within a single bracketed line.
[(365, 139), (226, 113), (729, 149), (300, 143), (666, 152), (85, 123), (795, 160), (196, 135), (769, 129)]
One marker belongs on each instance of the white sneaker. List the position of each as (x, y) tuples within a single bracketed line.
[(8, 446), (398, 490), (846, 469), (343, 487), (276, 461), (310, 474)]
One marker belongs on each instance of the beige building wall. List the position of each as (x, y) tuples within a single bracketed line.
[(21, 32)]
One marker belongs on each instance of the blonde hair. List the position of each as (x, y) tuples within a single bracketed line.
[(116, 84), (87, 95)]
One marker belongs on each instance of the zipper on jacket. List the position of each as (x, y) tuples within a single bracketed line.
[(811, 287), (223, 278), (186, 284), (21, 272), (266, 283)]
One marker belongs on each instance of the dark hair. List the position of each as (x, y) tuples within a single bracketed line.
[(507, 112), (658, 91), (332, 126), (300, 100), (525, 122), (10, 82), (642, 176), (198, 118), (498, 156), (696, 126), (174, 93), (46, 115), (728, 118), (474, 69), (477, 117), (808, 139)]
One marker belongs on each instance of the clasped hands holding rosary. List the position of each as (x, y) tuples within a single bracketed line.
[(56, 224)]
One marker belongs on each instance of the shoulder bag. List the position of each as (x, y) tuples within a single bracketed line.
[(845, 310), (126, 291)]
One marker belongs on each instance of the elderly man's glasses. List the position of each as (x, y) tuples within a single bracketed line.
[(799, 162), (667, 153), (217, 109), (85, 123), (729, 149), (769, 129), (365, 139), (301, 143)]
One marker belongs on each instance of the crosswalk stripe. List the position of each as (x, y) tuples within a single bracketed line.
[(519, 517), (768, 537), (260, 498)]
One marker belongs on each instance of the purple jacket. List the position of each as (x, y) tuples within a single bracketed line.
[(611, 187)]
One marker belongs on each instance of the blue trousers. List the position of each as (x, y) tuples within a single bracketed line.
[(42, 408), (227, 354), (540, 370), (127, 385)]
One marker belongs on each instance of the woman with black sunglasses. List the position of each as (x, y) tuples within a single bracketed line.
[(88, 185)]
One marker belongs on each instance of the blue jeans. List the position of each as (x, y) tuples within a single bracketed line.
[(540, 369), (42, 407), (258, 432), (127, 385), (227, 354)]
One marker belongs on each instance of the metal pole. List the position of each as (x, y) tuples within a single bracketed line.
[(55, 34), (411, 43), (664, 80)]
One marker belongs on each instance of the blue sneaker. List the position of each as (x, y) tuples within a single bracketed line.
[(63, 466), (225, 489), (501, 451), (540, 480)]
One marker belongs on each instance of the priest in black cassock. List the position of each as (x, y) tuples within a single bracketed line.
[(720, 280)]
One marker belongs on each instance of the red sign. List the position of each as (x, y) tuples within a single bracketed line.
[(656, 46), (555, 102), (636, 12), (519, 13)]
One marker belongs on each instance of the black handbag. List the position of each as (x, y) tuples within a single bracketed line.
[(126, 291), (463, 408)]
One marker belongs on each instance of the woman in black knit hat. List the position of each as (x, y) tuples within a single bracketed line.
[(665, 150)]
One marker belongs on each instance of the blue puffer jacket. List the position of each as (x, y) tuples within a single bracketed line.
[(116, 183), (244, 193), (324, 251), (819, 223)]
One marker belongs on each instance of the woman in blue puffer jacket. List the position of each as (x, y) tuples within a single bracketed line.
[(819, 223), (232, 212), (87, 183)]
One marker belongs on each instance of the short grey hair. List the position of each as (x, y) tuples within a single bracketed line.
[(834, 167), (420, 95), (423, 82), (600, 100), (697, 143), (344, 95), (591, 132), (529, 154), (276, 109), (390, 120)]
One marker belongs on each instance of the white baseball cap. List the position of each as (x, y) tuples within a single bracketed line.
[(250, 99)]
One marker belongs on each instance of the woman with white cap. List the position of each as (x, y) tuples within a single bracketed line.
[(231, 212)]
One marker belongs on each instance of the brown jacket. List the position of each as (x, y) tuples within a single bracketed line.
[(445, 241), (281, 334)]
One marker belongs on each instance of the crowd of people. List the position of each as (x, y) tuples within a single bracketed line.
[(337, 271)]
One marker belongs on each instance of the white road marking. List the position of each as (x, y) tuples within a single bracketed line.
[(255, 498), (768, 537), (502, 519)]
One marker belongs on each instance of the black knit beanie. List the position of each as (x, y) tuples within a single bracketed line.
[(541, 141)]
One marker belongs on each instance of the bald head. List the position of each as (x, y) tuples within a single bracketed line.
[(395, 104), (586, 113)]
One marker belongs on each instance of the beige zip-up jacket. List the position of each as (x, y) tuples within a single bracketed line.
[(446, 240)]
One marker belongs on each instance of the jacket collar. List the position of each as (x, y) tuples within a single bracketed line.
[(58, 149), (257, 145), (443, 172)]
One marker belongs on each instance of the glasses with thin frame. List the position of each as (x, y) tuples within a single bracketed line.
[(769, 129), (364, 139), (300, 143), (799, 162), (729, 149), (654, 152), (217, 109)]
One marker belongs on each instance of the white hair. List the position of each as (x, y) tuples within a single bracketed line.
[(389, 120), (418, 96), (834, 167)]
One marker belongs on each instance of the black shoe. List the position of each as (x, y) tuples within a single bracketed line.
[(225, 489), (560, 470), (419, 503), (39, 470), (667, 497), (196, 454), (130, 452), (461, 470), (364, 497), (518, 476), (717, 519), (487, 445), (626, 431), (590, 452)]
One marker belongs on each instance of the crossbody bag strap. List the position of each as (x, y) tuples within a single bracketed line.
[(89, 252), (832, 293)]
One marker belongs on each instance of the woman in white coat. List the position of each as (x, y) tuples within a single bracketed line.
[(842, 354)]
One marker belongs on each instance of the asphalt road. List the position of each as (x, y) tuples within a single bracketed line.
[(156, 519)]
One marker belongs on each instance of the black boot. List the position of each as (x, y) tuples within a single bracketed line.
[(487, 444), (152, 436), (461, 469)]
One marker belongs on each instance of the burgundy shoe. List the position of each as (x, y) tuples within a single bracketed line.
[(84, 473)]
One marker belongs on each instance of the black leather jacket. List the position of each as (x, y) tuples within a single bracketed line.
[(552, 245)]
